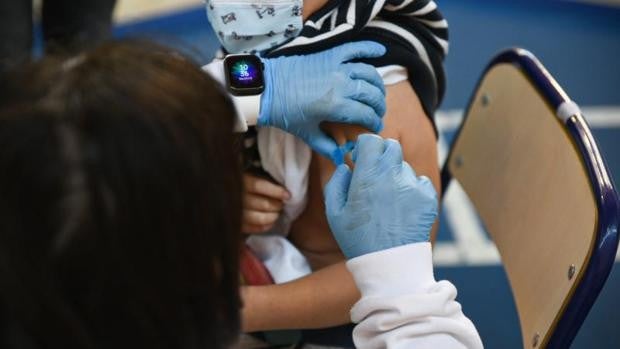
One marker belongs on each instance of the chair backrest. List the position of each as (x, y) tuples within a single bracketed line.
[(528, 162)]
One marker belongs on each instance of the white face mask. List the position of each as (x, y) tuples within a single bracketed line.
[(248, 26)]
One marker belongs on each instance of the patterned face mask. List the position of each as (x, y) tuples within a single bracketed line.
[(250, 26)]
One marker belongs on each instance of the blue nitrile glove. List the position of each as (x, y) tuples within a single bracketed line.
[(302, 91), (382, 203)]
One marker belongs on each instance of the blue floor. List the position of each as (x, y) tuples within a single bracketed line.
[(578, 44)]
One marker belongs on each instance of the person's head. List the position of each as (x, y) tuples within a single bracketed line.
[(120, 204)]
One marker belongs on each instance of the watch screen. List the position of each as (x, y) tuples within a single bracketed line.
[(245, 71)]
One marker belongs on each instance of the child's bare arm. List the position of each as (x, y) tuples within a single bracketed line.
[(321, 299)]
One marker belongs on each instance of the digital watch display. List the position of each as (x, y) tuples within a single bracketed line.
[(244, 74)]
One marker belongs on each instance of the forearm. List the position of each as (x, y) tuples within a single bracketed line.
[(321, 299)]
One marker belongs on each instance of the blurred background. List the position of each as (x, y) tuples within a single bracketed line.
[(578, 42)]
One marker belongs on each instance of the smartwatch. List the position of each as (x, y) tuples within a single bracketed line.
[(244, 74)]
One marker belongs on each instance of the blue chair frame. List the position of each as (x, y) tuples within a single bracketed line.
[(607, 200)]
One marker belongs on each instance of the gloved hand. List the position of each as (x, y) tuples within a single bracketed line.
[(302, 91), (382, 203)]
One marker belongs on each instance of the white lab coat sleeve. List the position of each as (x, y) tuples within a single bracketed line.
[(402, 306), (247, 107)]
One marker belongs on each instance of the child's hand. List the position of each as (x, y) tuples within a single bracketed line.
[(262, 203)]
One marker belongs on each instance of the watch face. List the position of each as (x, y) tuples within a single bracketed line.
[(244, 73)]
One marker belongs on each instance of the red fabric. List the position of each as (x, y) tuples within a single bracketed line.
[(253, 272)]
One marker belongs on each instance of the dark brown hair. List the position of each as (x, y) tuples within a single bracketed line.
[(120, 204)]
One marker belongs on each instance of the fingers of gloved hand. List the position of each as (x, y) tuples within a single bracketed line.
[(408, 172), (260, 186), (251, 217), (368, 151), (324, 145), (262, 203), (370, 95), (427, 187), (393, 154), (427, 200), (350, 111), (366, 72), (255, 229), (337, 190), (357, 50)]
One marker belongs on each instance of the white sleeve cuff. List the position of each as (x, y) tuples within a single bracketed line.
[(400, 270), (393, 74), (246, 107)]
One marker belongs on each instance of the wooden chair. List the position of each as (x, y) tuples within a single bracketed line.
[(527, 160)]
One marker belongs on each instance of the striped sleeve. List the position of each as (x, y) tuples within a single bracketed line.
[(417, 37), (414, 32)]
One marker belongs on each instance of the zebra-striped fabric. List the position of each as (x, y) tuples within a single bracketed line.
[(414, 32)]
